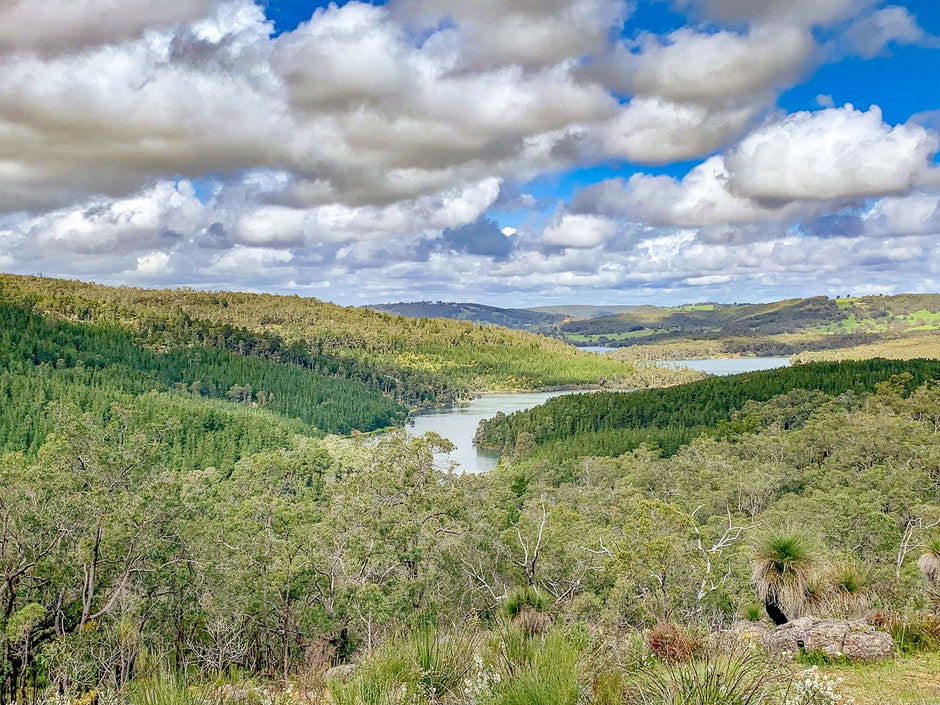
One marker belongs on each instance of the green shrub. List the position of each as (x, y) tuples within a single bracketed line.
[(427, 664), (520, 598), (165, 690), (552, 673), (916, 634), (734, 678)]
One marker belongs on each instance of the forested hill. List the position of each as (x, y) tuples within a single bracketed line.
[(812, 323), (518, 318), (610, 423), (413, 361)]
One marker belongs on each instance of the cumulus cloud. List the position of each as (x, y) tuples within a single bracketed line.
[(801, 12), (576, 230), (54, 26), (701, 198), (109, 119), (185, 144), (522, 32), (828, 154), (691, 66), (869, 35), (657, 131)]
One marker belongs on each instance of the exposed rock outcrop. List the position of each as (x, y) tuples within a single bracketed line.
[(855, 640)]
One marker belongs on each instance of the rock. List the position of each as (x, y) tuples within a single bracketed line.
[(343, 673), (744, 633), (855, 640)]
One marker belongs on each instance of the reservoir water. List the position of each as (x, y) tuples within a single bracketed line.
[(731, 365), (459, 424)]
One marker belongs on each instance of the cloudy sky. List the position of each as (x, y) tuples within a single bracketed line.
[(509, 152)]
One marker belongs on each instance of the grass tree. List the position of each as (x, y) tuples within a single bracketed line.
[(785, 564)]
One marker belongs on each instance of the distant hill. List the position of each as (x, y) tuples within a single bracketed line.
[(579, 312), (779, 327), (520, 319)]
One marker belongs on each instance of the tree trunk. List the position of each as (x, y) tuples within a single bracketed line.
[(775, 612)]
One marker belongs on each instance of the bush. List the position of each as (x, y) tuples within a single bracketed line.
[(551, 674), (735, 678), (669, 643), (526, 607), (424, 666)]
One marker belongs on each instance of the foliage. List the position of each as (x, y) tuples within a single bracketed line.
[(419, 362), (610, 423), (785, 564), (733, 678)]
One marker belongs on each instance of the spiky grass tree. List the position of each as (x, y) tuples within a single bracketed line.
[(785, 564)]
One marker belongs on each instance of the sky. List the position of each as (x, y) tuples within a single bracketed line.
[(505, 152)]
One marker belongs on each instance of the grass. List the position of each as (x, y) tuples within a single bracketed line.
[(906, 348), (736, 678), (906, 680)]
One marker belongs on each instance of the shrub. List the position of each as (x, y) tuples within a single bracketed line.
[(785, 566), (737, 677), (519, 598), (917, 633), (424, 666), (814, 688), (552, 674), (526, 607), (669, 643)]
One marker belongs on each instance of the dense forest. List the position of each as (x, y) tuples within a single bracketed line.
[(610, 423), (417, 362), (180, 522), (518, 318)]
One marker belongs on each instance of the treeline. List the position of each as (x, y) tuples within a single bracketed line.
[(420, 362), (69, 360), (611, 423)]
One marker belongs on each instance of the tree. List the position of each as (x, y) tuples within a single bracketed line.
[(785, 564)]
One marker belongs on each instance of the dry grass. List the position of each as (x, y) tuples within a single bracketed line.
[(909, 680), (907, 348)]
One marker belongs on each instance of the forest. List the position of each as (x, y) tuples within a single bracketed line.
[(187, 516)]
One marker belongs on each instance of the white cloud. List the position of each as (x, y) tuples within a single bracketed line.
[(572, 230), (65, 25), (530, 34), (711, 67), (657, 131), (828, 154), (154, 264), (701, 198), (870, 34), (913, 214), (803, 12), (249, 261)]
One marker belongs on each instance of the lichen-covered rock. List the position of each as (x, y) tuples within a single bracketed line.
[(855, 640), (341, 674)]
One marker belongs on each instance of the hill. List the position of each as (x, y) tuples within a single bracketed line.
[(520, 319), (611, 423), (415, 362), (777, 328)]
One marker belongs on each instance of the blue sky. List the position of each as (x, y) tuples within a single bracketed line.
[(572, 151)]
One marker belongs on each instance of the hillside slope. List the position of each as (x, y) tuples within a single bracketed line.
[(418, 362), (518, 318)]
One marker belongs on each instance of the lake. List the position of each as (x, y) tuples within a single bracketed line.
[(459, 424)]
